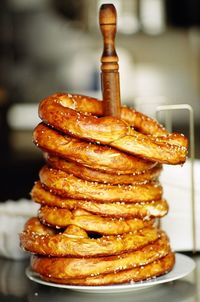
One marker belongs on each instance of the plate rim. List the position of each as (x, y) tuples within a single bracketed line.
[(121, 287)]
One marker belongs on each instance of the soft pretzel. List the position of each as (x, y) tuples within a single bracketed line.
[(60, 112), (144, 272), (89, 174), (145, 210), (37, 238), (83, 267), (88, 154), (92, 106), (61, 218), (68, 185)]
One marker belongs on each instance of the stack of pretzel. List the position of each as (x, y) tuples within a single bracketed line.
[(99, 193)]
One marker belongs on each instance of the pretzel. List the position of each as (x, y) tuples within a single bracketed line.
[(89, 174), (146, 272), (61, 112), (92, 106), (145, 210), (68, 185), (38, 238), (88, 154), (83, 267), (61, 218)]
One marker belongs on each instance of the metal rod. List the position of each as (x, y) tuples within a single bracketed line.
[(192, 157)]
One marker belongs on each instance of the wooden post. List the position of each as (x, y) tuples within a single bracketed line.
[(109, 68)]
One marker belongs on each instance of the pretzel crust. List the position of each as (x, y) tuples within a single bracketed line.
[(83, 267), (145, 210), (61, 218), (38, 238), (91, 155), (93, 106), (151, 270), (70, 186), (61, 111), (89, 174)]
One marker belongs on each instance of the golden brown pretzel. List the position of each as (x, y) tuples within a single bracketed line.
[(58, 112), (64, 244), (91, 155), (139, 121), (93, 106), (70, 186), (145, 210), (89, 174), (83, 267), (151, 270), (61, 218)]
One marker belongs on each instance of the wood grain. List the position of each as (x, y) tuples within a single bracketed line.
[(109, 68)]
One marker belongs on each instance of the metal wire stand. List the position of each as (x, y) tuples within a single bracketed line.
[(168, 124)]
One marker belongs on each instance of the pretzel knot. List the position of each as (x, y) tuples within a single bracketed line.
[(73, 115)]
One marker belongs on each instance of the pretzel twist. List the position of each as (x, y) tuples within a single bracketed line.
[(88, 154), (61, 218), (40, 239), (84, 267), (68, 185), (62, 112), (151, 270), (89, 174), (146, 210)]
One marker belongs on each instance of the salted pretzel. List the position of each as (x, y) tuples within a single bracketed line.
[(89, 174), (146, 272), (83, 267), (67, 185), (43, 240), (61, 218), (91, 155), (92, 106), (61, 112), (145, 210)]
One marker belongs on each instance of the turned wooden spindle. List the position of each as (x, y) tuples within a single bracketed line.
[(110, 83)]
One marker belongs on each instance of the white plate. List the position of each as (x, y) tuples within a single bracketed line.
[(183, 266)]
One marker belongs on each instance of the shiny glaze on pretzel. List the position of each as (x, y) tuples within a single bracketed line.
[(89, 174), (144, 210), (82, 267), (62, 112), (67, 185), (43, 240), (144, 272), (61, 218), (88, 154)]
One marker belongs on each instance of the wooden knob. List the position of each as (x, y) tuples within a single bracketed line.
[(109, 67)]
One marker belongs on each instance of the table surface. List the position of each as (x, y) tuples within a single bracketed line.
[(15, 286)]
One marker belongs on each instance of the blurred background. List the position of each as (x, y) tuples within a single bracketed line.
[(48, 46)]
